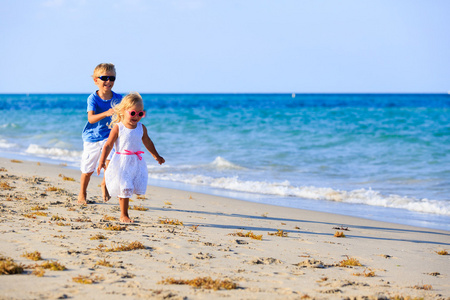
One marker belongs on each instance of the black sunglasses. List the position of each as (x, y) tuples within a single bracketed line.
[(106, 78)]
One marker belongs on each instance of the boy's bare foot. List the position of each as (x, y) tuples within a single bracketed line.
[(126, 219), (82, 199), (106, 198)]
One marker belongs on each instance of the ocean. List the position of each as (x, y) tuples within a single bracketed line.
[(378, 156)]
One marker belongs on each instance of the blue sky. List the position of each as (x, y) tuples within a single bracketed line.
[(226, 46)]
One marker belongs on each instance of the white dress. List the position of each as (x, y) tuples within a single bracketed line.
[(127, 171)]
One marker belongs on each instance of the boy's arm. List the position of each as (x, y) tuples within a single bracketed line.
[(94, 118), (107, 148), (151, 147)]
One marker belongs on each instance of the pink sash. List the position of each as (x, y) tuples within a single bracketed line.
[(127, 152)]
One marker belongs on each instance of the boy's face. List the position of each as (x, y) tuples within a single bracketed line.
[(104, 86)]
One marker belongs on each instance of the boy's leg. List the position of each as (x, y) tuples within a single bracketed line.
[(105, 192), (89, 160), (124, 210), (84, 182)]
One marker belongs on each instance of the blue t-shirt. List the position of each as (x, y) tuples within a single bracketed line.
[(99, 131)]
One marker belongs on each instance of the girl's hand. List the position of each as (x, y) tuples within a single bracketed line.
[(100, 167), (160, 160)]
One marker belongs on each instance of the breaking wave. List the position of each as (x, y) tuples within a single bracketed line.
[(55, 153), (285, 189)]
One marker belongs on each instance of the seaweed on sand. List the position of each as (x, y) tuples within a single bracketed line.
[(248, 234), (53, 265), (38, 207), (123, 247), (87, 279), (350, 262), (366, 273), (34, 214), (141, 208), (36, 255), (57, 218), (5, 186), (99, 236), (66, 178), (339, 234), (204, 283), (171, 222), (38, 271), (279, 232), (114, 227), (425, 287), (109, 218), (104, 263), (8, 266)]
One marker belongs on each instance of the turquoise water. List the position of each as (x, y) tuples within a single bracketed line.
[(383, 157)]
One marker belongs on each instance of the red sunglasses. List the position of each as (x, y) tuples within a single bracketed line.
[(133, 113)]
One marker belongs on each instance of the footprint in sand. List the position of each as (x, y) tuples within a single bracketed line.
[(312, 263), (264, 261), (202, 255)]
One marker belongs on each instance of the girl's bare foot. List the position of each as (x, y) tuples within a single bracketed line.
[(126, 219), (123, 203), (105, 193)]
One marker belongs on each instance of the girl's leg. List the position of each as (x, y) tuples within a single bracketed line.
[(105, 193), (124, 210)]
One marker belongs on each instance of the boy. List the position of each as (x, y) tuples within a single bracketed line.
[(96, 131)]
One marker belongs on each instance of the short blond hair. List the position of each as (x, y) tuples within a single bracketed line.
[(128, 101), (103, 68)]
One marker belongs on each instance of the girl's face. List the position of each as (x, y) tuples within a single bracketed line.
[(133, 115)]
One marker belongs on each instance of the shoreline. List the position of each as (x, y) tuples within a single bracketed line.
[(378, 213), (403, 258)]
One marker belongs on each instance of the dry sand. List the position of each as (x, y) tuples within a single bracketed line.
[(302, 262)]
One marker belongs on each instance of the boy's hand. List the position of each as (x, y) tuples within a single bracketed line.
[(109, 112), (160, 160)]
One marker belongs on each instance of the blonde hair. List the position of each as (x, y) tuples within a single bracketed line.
[(103, 68), (128, 101)]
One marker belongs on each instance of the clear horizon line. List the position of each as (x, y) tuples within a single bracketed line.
[(237, 93)]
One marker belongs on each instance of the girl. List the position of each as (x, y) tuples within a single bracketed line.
[(127, 172)]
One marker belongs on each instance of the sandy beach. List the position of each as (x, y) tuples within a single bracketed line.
[(186, 245)]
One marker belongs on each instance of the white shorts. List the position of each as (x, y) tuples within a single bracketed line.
[(91, 156)]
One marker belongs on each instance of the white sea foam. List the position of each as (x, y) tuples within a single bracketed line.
[(58, 153), (9, 125), (221, 163), (7, 145), (285, 189)]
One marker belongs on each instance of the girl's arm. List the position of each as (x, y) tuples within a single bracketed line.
[(151, 147), (108, 147), (94, 118)]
